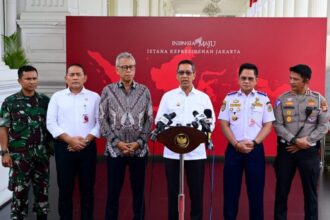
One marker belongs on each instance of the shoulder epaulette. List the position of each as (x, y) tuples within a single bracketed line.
[(231, 93), (262, 93), (285, 93), (315, 93)]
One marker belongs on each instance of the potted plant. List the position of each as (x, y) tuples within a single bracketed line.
[(14, 55)]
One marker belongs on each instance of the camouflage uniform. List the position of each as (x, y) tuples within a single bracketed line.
[(28, 141), (290, 113)]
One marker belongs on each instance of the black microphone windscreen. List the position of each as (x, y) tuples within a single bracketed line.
[(172, 115), (208, 113), (195, 113)]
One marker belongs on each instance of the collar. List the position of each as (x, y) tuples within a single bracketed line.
[(253, 92), (68, 92), (193, 90), (307, 92), (21, 95), (120, 85)]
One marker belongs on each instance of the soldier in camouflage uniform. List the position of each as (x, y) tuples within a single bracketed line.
[(24, 140), (301, 121)]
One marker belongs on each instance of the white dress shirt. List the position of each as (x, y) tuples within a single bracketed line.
[(177, 101), (73, 114), (246, 114)]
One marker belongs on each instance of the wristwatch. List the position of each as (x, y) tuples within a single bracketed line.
[(3, 152), (293, 141)]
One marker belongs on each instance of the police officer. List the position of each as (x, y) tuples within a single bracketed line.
[(246, 119), (301, 121), (24, 143)]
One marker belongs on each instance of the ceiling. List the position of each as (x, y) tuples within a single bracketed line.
[(220, 7)]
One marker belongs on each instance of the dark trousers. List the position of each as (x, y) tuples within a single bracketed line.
[(194, 170), (72, 164), (308, 163), (253, 164), (116, 175)]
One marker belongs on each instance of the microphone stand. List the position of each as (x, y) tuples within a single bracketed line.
[(181, 197)]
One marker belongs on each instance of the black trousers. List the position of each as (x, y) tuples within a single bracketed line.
[(194, 170), (116, 175), (69, 165), (308, 163), (253, 165)]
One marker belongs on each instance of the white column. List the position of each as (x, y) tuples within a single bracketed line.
[(271, 8), (301, 8), (11, 17), (154, 8), (288, 9), (317, 8), (124, 7), (2, 64), (264, 5), (258, 7), (143, 8), (279, 8)]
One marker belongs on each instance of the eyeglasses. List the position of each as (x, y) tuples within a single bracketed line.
[(243, 78), (127, 67), (187, 72)]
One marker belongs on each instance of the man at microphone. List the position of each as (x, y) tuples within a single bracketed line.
[(301, 122), (183, 101), (246, 119)]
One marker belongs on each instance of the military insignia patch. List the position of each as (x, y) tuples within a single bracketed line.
[(269, 107)]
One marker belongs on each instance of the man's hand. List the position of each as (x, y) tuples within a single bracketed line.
[(292, 149), (303, 143), (245, 146), (124, 148), (133, 146), (6, 160), (76, 143)]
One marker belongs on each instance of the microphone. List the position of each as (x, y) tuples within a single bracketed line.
[(201, 119), (209, 120), (164, 121)]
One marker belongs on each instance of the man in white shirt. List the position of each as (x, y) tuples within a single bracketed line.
[(72, 118), (246, 119), (184, 101)]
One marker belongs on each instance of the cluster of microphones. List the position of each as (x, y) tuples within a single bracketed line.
[(203, 122)]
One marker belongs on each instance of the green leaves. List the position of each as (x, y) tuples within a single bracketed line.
[(14, 55)]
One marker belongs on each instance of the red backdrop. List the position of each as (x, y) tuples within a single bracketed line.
[(216, 45)]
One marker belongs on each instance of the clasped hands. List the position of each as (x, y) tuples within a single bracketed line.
[(245, 146), (128, 149), (77, 143), (301, 144)]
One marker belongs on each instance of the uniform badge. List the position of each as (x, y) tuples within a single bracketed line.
[(256, 103), (238, 109), (289, 103), (289, 119), (252, 122), (223, 107), (231, 109), (311, 119), (311, 103), (277, 103), (235, 101), (85, 118), (289, 112), (269, 107), (234, 118)]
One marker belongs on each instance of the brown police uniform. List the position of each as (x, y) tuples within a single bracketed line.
[(294, 121)]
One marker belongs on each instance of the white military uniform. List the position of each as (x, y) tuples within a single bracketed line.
[(246, 114)]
